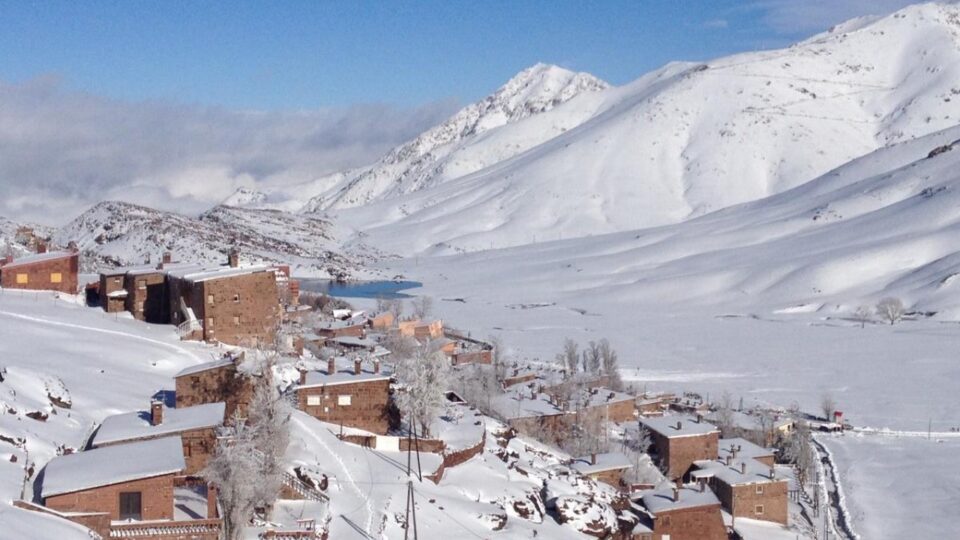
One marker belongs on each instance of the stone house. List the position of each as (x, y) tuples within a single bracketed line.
[(747, 488), (196, 426), (214, 382), (347, 328), (420, 330), (44, 271), (348, 393), (133, 487), (679, 441), (685, 512), (737, 448), (607, 468), (381, 321), (233, 305)]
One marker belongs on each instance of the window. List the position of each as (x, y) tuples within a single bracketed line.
[(209, 298), (758, 509), (759, 489), (665, 521), (56, 277), (236, 298), (343, 400), (313, 401), (236, 321), (142, 284), (23, 279), (116, 281), (130, 507), (210, 322)]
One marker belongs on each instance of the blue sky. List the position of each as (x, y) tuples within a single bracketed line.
[(294, 55)]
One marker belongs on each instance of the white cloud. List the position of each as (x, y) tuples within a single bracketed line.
[(62, 151)]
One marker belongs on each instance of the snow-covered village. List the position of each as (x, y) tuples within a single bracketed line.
[(707, 294)]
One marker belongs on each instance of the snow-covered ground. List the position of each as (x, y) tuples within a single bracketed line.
[(899, 487)]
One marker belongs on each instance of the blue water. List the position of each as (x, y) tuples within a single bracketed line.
[(359, 289)]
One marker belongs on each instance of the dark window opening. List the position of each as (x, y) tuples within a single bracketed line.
[(130, 507)]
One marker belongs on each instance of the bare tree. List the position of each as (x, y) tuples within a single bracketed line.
[(890, 309), (725, 415), (592, 358), (827, 406), (269, 420), (422, 379), (611, 364), (863, 315), (570, 356), (499, 361), (797, 450), (422, 307)]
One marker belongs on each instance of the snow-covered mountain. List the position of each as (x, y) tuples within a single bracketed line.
[(18, 237), (680, 142), (116, 233)]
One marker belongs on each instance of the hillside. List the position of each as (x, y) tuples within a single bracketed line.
[(686, 140), (117, 234)]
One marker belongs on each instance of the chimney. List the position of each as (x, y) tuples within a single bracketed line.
[(593, 458), (303, 376), (356, 366), (376, 366), (676, 494), (679, 427), (699, 418), (156, 412), (167, 257), (729, 459), (703, 485), (211, 501), (72, 247), (331, 365), (743, 467), (41, 247), (233, 258), (773, 473)]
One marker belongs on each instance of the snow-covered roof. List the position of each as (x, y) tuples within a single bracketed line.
[(739, 472), (604, 462), (740, 447), (751, 422), (605, 396), (344, 374), (754, 529), (199, 274), (205, 366), (120, 293), (515, 404), (112, 465), (351, 341), (689, 496), (40, 257), (667, 426), (136, 425), (167, 268), (335, 325)]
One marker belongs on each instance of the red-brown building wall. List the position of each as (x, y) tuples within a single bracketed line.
[(369, 407), (679, 453), (215, 385), (156, 497), (743, 500), (697, 523), (198, 446), (39, 275)]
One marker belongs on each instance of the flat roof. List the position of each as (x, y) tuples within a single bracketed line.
[(605, 462), (740, 447), (661, 499), (740, 471), (205, 366), (344, 374), (112, 465), (136, 425), (40, 257), (198, 274), (667, 426)]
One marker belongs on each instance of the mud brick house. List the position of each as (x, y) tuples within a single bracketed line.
[(134, 486), (422, 331), (679, 441), (195, 425), (348, 393), (214, 382), (747, 488), (348, 328), (45, 271), (350, 344), (381, 321), (233, 305), (607, 468), (608, 404), (737, 448), (685, 512), (529, 411)]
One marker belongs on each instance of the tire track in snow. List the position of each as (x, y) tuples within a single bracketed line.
[(41, 320), (368, 505)]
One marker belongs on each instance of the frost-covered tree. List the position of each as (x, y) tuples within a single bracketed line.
[(569, 358), (498, 358), (422, 380), (234, 469), (611, 364), (269, 421), (890, 309), (725, 415), (863, 315), (797, 450)]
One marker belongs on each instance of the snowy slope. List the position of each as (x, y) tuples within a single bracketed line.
[(689, 139), (9, 240), (116, 233)]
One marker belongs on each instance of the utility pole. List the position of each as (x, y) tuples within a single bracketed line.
[(411, 511)]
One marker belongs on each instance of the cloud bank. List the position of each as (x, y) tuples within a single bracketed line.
[(62, 151)]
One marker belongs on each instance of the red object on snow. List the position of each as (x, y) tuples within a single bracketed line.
[(837, 415)]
